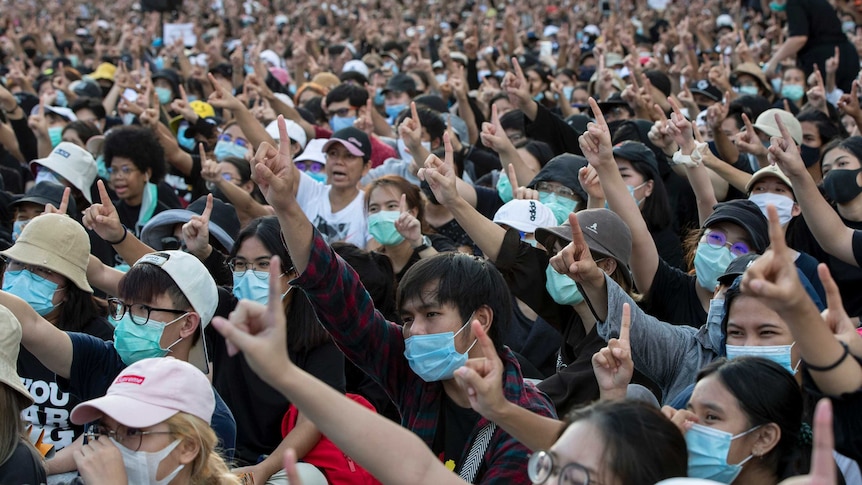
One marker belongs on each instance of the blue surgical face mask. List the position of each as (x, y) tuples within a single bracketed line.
[(17, 227), (710, 263), (560, 206), (793, 92), (165, 94), (379, 99), (34, 289), (47, 175), (567, 93), (251, 285), (632, 190), (780, 354), (402, 149), (749, 90), (55, 133), (504, 188), (339, 122), (394, 110), (381, 226), (318, 176), (135, 342), (707, 453), (159, 64), (128, 119), (192, 97), (848, 27), (224, 149), (562, 289), (713, 324), (187, 143), (433, 357), (61, 100), (777, 7)]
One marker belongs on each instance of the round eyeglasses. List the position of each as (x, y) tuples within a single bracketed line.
[(542, 466), (718, 239)]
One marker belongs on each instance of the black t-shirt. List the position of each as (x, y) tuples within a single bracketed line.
[(23, 467), (669, 247), (857, 247), (456, 424), (815, 19), (673, 297), (52, 406)]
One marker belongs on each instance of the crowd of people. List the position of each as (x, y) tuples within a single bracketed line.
[(574, 242)]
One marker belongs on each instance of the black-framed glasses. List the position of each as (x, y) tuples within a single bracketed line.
[(341, 113), (131, 438), (139, 313), (542, 466)]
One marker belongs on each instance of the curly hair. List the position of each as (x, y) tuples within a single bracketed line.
[(139, 145)]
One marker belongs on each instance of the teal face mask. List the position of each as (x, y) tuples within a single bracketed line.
[(34, 289), (707, 453), (504, 188), (187, 143), (562, 289), (101, 169), (224, 149), (560, 206), (777, 7), (135, 342), (749, 90), (55, 133), (793, 92), (165, 95), (381, 226), (710, 263)]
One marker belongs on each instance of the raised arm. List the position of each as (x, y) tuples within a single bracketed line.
[(104, 220), (46, 342), (259, 332), (597, 148)]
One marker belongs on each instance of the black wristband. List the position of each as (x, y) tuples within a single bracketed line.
[(830, 367), (125, 233)]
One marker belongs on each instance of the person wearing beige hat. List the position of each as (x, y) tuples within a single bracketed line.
[(20, 462), (751, 81), (47, 268)]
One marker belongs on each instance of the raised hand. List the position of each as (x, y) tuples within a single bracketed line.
[(849, 103), (410, 130), (596, 141), (519, 192), (221, 98), (408, 225), (680, 129), (103, 218), (494, 136), (747, 141), (98, 459), (835, 315), (482, 378), (784, 152), (210, 170), (575, 259), (822, 460), (613, 364), (38, 123), (182, 107), (589, 179), (516, 86), (196, 232), (273, 171), (259, 331), (440, 174), (64, 204)]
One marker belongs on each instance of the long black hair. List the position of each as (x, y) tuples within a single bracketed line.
[(304, 331)]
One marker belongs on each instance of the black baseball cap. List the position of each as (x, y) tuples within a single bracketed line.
[(46, 193), (635, 151), (402, 83), (354, 140), (747, 215)]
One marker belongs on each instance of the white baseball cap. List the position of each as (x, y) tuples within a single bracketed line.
[(355, 65), (525, 215), (313, 152), (294, 131), (74, 164)]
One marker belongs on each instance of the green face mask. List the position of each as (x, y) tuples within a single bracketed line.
[(560, 206), (504, 188), (136, 342), (562, 289), (55, 133), (381, 226)]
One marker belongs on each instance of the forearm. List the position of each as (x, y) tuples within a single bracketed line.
[(290, 113), (825, 223), (297, 233), (465, 111), (242, 201), (510, 155), (381, 126), (789, 49), (361, 434), (131, 248), (532, 430), (103, 277), (253, 129), (734, 176), (484, 232), (43, 146), (64, 460), (726, 148), (302, 439), (703, 191)]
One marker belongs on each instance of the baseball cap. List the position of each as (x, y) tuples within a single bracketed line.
[(202, 109), (635, 151), (747, 215), (60, 111), (46, 193), (605, 233), (223, 225), (705, 88), (56, 242), (724, 21), (294, 131), (271, 57), (767, 171), (149, 392), (737, 267), (74, 164), (313, 152), (766, 123), (194, 280), (525, 215), (353, 139), (10, 344), (400, 82), (355, 65), (86, 88)]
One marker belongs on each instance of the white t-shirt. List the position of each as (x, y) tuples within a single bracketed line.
[(348, 224)]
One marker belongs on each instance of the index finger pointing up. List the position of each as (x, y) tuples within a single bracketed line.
[(283, 137), (597, 112), (103, 194), (626, 323), (791, 144), (208, 209), (402, 205)]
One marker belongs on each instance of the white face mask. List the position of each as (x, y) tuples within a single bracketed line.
[(782, 203), (142, 466)]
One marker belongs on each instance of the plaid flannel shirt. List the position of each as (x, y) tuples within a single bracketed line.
[(346, 310)]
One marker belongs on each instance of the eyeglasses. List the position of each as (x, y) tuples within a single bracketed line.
[(560, 190), (238, 141), (172, 243), (12, 265), (718, 239), (139, 313), (125, 170), (341, 113), (240, 265), (309, 166), (541, 467), (131, 438)]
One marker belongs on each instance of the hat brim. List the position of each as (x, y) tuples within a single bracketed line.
[(132, 413), (32, 200), (9, 376), (160, 226), (548, 235), (356, 152), (28, 253), (705, 93)]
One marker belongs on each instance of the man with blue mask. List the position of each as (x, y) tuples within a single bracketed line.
[(441, 300), (165, 302), (399, 91)]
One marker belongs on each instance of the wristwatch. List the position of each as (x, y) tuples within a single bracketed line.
[(426, 243)]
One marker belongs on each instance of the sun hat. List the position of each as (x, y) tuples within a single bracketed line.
[(10, 344), (765, 172), (74, 164), (223, 224)]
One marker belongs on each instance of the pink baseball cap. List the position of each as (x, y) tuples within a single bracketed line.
[(150, 391)]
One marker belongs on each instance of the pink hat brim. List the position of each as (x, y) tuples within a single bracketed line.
[(129, 412)]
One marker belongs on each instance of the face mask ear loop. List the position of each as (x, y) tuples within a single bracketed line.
[(798, 363)]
